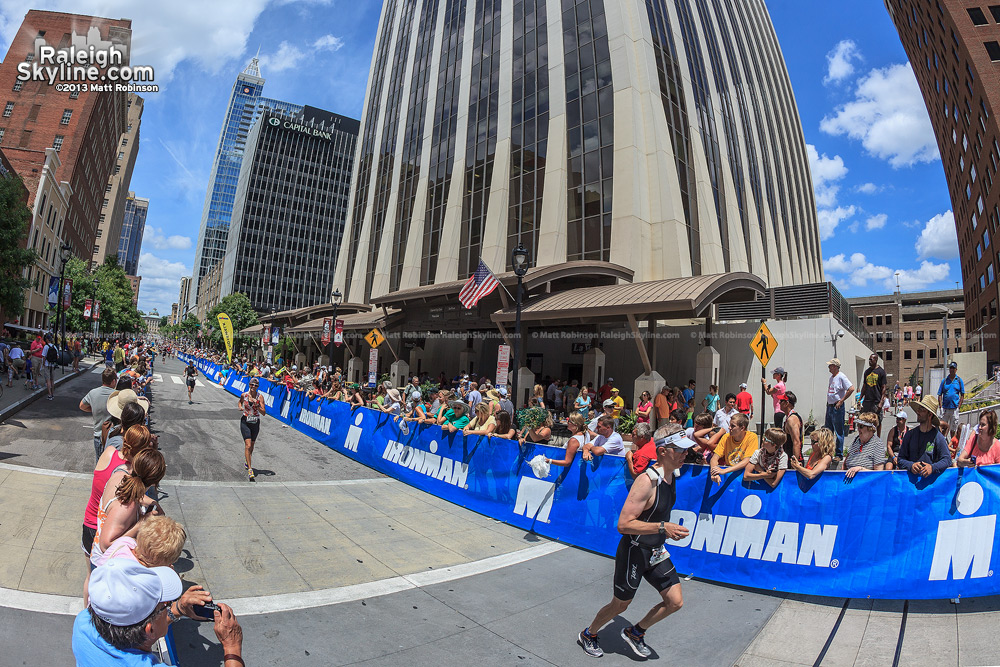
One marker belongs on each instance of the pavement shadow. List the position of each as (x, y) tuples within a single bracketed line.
[(194, 650), (612, 642), (261, 472)]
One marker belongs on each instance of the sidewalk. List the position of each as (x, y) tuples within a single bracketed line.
[(17, 397)]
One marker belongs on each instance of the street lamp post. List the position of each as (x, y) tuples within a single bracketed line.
[(944, 333), (519, 260), (335, 298), (65, 252), (270, 345)]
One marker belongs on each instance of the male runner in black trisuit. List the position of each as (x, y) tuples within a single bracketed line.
[(641, 554), (190, 375)]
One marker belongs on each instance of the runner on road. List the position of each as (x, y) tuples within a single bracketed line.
[(644, 526), (190, 375), (252, 405)]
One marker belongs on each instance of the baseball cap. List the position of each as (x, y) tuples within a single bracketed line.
[(608, 403), (900, 415), (743, 385), (614, 389), (953, 365), (610, 380), (502, 390), (415, 396), (778, 369), (123, 592)]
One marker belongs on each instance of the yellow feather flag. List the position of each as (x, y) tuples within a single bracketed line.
[(227, 333)]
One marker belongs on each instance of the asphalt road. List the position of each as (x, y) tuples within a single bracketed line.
[(200, 442)]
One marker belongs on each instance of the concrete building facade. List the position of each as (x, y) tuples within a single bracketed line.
[(132, 231), (291, 205), (954, 49), (134, 282), (117, 190), (183, 299), (662, 137)]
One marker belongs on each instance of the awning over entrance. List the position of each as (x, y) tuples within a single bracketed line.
[(660, 299), (352, 322), (590, 271), (297, 316)]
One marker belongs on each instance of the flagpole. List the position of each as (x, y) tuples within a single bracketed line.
[(497, 279)]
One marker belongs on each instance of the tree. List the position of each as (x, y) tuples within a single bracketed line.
[(114, 291), (14, 217), (163, 321), (189, 326), (241, 314)]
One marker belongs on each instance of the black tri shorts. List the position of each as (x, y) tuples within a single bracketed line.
[(632, 565), (248, 429)]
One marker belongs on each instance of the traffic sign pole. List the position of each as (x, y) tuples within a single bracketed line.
[(763, 393)]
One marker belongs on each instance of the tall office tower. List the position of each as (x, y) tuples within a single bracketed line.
[(954, 49), (133, 227), (246, 104), (662, 137), (183, 303), (291, 205), (83, 126), (116, 191)]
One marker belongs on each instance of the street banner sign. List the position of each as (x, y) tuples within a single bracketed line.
[(266, 338), (226, 325), (326, 331), (503, 365), (275, 333), (374, 338), (763, 344), (97, 310), (67, 294), (86, 309), (338, 332), (372, 365), (53, 291)]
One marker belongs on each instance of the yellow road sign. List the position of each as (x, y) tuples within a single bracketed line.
[(763, 344), (374, 338)]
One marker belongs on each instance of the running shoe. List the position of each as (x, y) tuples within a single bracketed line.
[(636, 643), (590, 645), (250, 476)]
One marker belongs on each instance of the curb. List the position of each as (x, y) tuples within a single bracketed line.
[(16, 407)]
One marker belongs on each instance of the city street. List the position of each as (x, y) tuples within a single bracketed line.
[(328, 563)]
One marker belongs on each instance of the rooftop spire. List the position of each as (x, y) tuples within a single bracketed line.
[(252, 69)]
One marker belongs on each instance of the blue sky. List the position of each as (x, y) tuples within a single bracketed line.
[(881, 195)]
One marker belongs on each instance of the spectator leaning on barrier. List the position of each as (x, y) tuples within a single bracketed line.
[(951, 393), (770, 461), (724, 415), (867, 451), (734, 451), (96, 403), (608, 441), (645, 449), (824, 445), (455, 418), (577, 426), (792, 425), (894, 439), (982, 448), (837, 391), (925, 449)]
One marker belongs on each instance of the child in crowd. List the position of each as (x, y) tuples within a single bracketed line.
[(770, 462), (29, 374), (706, 437)]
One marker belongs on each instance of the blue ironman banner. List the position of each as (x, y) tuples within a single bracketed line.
[(883, 535)]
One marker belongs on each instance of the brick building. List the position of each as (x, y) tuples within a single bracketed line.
[(954, 49), (84, 127), (134, 282), (908, 329)]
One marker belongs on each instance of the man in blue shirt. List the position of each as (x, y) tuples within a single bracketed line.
[(924, 450), (951, 393), (688, 395)]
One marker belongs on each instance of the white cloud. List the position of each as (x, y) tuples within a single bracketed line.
[(826, 171), (857, 271), (210, 33), (829, 219), (161, 282), (939, 239), (839, 61), (869, 188), (328, 43), (876, 221), (155, 237), (888, 116), (286, 57)]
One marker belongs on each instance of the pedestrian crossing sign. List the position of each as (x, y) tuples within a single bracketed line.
[(374, 338), (763, 344)]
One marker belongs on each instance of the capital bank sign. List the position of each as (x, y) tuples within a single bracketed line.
[(298, 127)]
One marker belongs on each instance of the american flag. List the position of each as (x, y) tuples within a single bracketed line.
[(479, 284)]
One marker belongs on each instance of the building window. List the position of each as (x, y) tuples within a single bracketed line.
[(979, 251), (118, 168), (18, 85), (67, 114), (977, 16), (920, 335), (105, 204), (121, 154), (907, 354), (869, 320), (58, 142), (96, 250), (888, 336), (907, 335), (8, 109), (878, 320), (878, 337), (958, 333), (888, 355), (920, 353), (125, 141), (100, 231), (993, 50), (933, 334), (888, 319), (2, 130), (107, 188), (958, 349), (989, 274), (74, 95), (102, 220), (933, 351)]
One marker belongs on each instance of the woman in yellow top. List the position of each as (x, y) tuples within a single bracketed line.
[(734, 451), (484, 423)]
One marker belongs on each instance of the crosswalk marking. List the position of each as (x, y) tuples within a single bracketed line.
[(157, 377), (99, 369), (176, 379)]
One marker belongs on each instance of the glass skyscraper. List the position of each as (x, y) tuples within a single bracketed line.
[(245, 106), (133, 228)]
